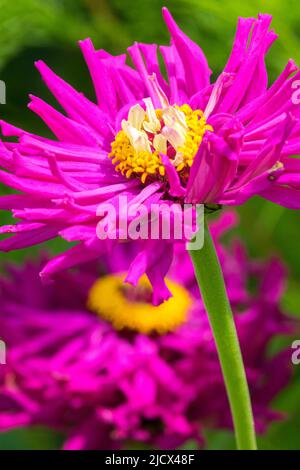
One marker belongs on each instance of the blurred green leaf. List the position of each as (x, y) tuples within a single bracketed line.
[(35, 438)]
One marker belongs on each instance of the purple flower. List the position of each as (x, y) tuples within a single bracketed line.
[(155, 141), (70, 370)]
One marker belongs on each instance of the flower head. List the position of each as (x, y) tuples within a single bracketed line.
[(155, 140), (132, 307), (69, 369)]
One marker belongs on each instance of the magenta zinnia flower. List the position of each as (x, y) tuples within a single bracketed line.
[(155, 141), (72, 371)]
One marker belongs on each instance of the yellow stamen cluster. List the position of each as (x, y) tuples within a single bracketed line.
[(115, 302), (143, 163), (129, 161), (197, 125)]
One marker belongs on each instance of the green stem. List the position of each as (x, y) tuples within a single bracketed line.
[(211, 283)]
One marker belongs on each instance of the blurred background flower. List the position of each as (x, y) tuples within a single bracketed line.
[(70, 370), (35, 29)]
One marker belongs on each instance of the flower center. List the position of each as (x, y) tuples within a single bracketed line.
[(126, 306), (174, 131)]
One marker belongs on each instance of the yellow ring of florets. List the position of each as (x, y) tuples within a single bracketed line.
[(107, 299), (129, 162), (197, 125), (145, 164)]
